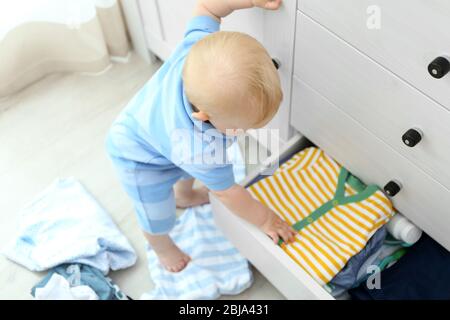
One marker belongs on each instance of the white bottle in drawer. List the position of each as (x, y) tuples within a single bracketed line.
[(403, 229)]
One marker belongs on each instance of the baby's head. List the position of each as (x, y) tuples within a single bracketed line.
[(231, 81)]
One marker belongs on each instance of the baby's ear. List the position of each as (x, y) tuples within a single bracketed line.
[(201, 116)]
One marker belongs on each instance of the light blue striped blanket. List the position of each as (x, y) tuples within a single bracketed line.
[(216, 269)]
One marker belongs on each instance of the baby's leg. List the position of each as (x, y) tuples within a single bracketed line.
[(186, 196), (169, 255), (153, 197)]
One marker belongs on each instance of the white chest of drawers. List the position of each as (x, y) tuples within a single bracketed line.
[(356, 91)]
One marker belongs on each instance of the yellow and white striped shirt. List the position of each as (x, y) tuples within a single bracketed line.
[(334, 213)]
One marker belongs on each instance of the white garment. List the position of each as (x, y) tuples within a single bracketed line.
[(65, 224), (216, 269), (58, 288)]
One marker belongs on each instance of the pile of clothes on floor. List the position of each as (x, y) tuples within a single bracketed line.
[(66, 232), (349, 237)]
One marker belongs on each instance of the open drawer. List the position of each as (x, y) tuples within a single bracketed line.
[(290, 279)]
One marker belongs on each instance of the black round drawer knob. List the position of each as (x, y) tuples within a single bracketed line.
[(392, 188), (276, 63), (412, 137), (439, 67)]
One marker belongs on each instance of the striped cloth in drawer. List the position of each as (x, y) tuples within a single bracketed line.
[(334, 213)]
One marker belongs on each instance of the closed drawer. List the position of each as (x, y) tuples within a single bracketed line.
[(292, 281), (412, 33), (422, 199), (375, 97)]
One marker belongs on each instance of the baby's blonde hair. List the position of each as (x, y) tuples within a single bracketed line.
[(230, 74)]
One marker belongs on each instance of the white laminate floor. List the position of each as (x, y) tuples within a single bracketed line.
[(56, 128)]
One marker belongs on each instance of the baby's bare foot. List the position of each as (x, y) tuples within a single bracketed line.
[(194, 197), (173, 259)]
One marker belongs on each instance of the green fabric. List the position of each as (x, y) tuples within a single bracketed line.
[(344, 176), (391, 241), (385, 262), (355, 183), (339, 198), (392, 258)]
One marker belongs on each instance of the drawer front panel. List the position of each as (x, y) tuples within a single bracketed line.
[(375, 97), (292, 281), (422, 199), (411, 34)]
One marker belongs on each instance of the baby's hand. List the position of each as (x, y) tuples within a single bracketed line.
[(267, 4), (274, 227)]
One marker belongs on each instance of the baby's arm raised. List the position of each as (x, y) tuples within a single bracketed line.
[(240, 202), (218, 9)]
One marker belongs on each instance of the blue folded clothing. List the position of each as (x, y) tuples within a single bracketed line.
[(83, 275), (422, 273), (348, 276)]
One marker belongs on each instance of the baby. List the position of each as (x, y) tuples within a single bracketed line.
[(213, 86)]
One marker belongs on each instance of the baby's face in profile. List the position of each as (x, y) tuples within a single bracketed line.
[(232, 81)]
